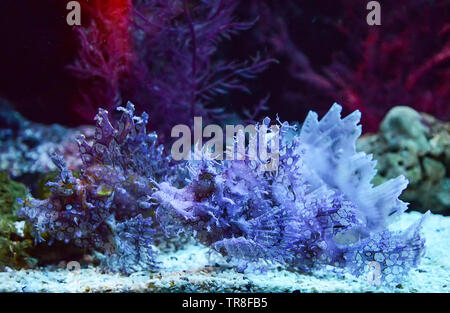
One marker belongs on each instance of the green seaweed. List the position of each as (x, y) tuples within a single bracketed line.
[(43, 191), (15, 241)]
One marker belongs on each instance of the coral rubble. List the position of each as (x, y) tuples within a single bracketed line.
[(168, 53)]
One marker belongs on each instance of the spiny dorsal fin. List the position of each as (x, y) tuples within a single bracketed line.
[(330, 152)]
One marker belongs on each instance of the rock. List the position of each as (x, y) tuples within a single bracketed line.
[(402, 129), (25, 145), (417, 146), (15, 240)]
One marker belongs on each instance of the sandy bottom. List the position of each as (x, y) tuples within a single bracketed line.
[(196, 269)]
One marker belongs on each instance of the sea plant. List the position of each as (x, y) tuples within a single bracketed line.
[(15, 241), (164, 56)]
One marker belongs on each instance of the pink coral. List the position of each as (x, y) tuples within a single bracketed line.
[(336, 56)]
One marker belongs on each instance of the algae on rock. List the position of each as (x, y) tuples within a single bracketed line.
[(14, 240), (416, 145)]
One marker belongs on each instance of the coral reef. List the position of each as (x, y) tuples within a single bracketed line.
[(15, 241), (107, 208), (417, 146), (105, 56)]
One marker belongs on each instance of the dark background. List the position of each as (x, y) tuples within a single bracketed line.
[(38, 45)]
